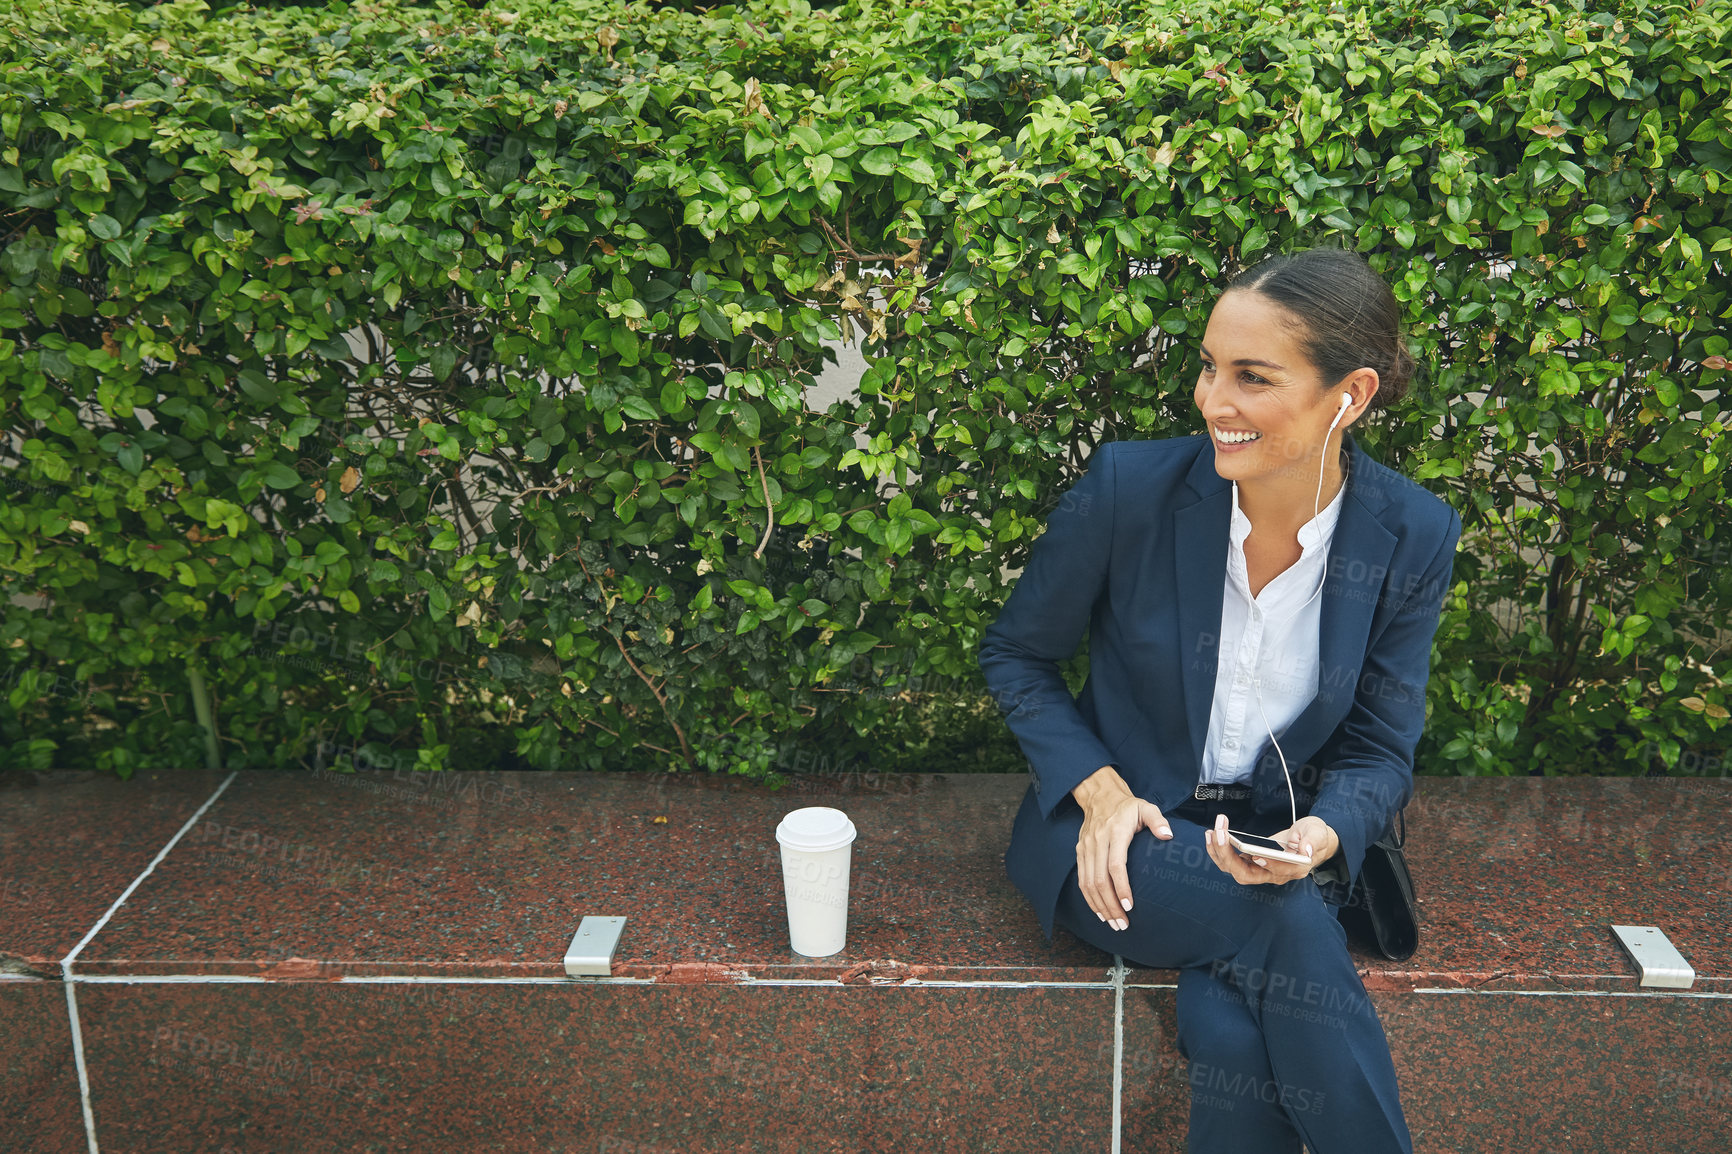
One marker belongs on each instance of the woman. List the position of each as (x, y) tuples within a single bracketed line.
[(1260, 611)]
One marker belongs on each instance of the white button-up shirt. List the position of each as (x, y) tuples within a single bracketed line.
[(1269, 637)]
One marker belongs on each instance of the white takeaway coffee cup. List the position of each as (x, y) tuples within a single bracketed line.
[(817, 844)]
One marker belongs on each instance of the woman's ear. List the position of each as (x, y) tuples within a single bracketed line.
[(1362, 383)]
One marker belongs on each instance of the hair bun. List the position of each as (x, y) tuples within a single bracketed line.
[(1393, 386), (1348, 313)]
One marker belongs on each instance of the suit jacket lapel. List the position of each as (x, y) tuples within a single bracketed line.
[(1200, 574), (1361, 547)]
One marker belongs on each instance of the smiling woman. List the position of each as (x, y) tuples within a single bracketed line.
[(1199, 566)]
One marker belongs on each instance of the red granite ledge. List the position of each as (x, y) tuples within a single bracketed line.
[(294, 878), (39, 1102), (495, 883), (71, 841), (699, 1068)]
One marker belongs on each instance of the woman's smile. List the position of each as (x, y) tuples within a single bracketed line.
[(1232, 440)]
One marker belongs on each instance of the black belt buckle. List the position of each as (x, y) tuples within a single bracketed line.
[(1220, 792)]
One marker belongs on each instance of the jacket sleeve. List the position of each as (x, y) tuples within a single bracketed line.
[(1371, 777), (1041, 624)]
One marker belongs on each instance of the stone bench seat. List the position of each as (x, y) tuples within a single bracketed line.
[(318, 962)]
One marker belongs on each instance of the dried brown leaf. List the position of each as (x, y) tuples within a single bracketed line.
[(754, 101)]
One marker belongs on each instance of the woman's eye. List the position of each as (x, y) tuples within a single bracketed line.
[(1255, 379), (1207, 367)]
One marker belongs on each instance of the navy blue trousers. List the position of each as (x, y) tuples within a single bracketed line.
[(1283, 1043)]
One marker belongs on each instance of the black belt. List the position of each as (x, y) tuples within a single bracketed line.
[(1221, 792)]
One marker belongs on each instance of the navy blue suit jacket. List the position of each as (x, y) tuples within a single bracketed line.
[(1136, 551)]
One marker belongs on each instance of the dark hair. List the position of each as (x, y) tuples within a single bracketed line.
[(1347, 313)]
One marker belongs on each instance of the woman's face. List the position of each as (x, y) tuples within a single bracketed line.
[(1256, 379)]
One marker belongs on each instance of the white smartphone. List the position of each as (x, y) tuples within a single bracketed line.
[(1255, 845)]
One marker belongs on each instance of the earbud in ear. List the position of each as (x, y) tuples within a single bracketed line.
[(1346, 400)]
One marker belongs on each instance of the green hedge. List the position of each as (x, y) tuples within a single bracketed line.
[(559, 501)]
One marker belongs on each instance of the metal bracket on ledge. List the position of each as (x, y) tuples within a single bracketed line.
[(591, 951), (1655, 955)]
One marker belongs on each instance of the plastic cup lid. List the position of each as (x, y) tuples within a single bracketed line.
[(815, 828)]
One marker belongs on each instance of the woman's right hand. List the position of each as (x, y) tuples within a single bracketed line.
[(1112, 814)]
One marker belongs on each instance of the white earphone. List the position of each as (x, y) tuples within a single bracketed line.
[(1257, 682)]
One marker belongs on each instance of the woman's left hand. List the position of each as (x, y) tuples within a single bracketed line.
[(1307, 835)]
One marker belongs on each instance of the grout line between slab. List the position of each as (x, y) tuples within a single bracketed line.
[(1118, 972), (70, 979), (522, 980), (83, 1072), (1116, 984)]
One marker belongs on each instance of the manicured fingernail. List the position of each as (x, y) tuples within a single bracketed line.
[(1259, 861), (1101, 916), (1165, 831), (1125, 902)]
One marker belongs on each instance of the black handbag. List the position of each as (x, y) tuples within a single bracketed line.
[(1382, 913)]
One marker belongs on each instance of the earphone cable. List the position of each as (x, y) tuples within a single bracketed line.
[(1257, 682)]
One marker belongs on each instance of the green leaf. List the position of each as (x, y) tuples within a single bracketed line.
[(257, 387), (880, 161), (746, 417), (917, 170), (443, 360), (714, 325), (279, 476), (624, 342)]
